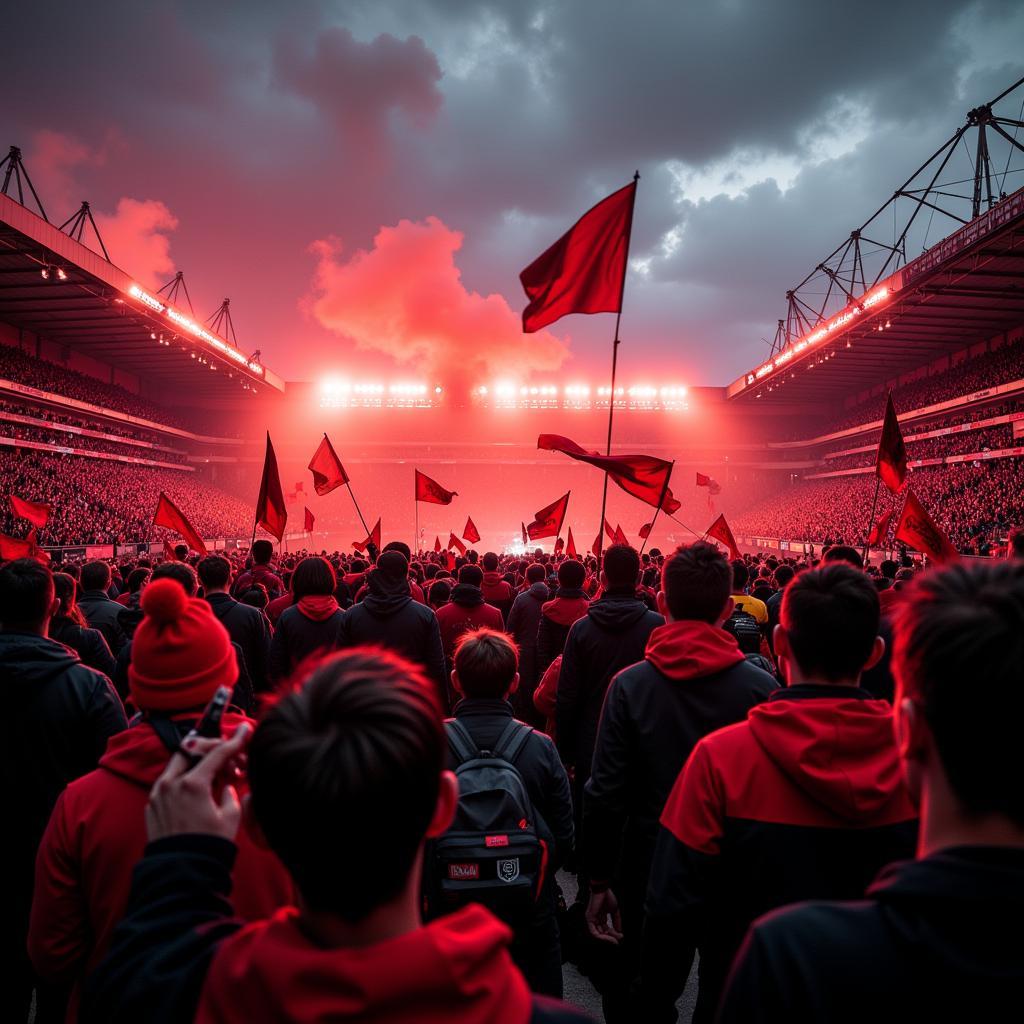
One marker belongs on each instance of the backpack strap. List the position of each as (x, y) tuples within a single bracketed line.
[(166, 730), (460, 741), (512, 740)]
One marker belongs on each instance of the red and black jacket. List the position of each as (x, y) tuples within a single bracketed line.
[(804, 800)]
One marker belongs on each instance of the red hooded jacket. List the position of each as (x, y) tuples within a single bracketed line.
[(96, 835)]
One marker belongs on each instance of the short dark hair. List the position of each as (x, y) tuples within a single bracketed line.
[(740, 575), (26, 595), (571, 574), (888, 568), (621, 566), (831, 617), (843, 553), (214, 571), (180, 571), (137, 579), (262, 552), (440, 592), (696, 581), (471, 574), (313, 577), (95, 575), (783, 575), (181, 552), (486, 662), (958, 623), (355, 750), (490, 561), (1016, 541), (400, 546), (535, 573)]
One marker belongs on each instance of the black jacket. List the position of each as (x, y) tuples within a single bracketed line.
[(89, 644), (937, 939), (297, 636), (101, 613), (556, 619), (693, 681), (388, 617), (523, 620), (249, 628), (58, 716), (612, 635)]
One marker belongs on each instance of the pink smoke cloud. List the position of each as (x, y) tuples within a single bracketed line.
[(405, 297)]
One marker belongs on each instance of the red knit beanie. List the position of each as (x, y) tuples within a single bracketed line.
[(180, 651)]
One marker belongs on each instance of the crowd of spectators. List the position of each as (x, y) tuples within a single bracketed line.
[(967, 442), (60, 439)]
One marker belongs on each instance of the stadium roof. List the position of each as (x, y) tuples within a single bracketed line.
[(53, 285)]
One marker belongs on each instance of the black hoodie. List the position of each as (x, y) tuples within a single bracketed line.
[(612, 635), (935, 939)]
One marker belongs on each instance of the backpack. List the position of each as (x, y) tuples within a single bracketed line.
[(491, 853), (744, 627)]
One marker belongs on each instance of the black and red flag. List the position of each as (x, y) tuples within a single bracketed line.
[(584, 271), (548, 521), (373, 538), (170, 516), (454, 542), (471, 533), (570, 549), (642, 476), (271, 513), (431, 491), (881, 528), (719, 530), (308, 520), (645, 530), (36, 512), (326, 467), (918, 531), (891, 464)]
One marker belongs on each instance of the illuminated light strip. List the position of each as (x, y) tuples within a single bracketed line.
[(193, 328)]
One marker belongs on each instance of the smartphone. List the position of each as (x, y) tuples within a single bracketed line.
[(209, 725)]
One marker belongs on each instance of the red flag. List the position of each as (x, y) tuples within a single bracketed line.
[(431, 491), (596, 546), (891, 465), (559, 545), (645, 530), (526, 540), (570, 549), (169, 554), (917, 530), (168, 514), (548, 521), (584, 271), (471, 533), (308, 520), (881, 529), (326, 467), (437, 544), (643, 476), (373, 538), (619, 537), (713, 486), (454, 542), (36, 512), (271, 513), (18, 547), (449, 561), (719, 530)]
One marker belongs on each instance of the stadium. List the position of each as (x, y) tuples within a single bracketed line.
[(103, 379)]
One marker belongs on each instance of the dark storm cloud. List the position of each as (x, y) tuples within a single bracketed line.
[(763, 131)]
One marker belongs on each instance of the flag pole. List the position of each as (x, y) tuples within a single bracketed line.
[(416, 516), (615, 359), (690, 529), (358, 510), (664, 491)]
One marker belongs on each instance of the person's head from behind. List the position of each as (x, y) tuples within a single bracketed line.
[(696, 585), (440, 592), (262, 552), (401, 547), (27, 597), (621, 569), (472, 575), (357, 749), (783, 576), (95, 575), (888, 568), (313, 577), (65, 588), (843, 553), (535, 573), (180, 572), (571, 574), (828, 628), (181, 552), (486, 665), (255, 596), (489, 561), (214, 573), (1016, 543), (962, 629), (740, 576), (137, 579)]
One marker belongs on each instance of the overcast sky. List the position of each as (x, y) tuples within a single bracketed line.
[(365, 180)]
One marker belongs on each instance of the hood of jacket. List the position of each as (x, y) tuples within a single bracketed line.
[(617, 611), (138, 755), (494, 579), (566, 607), (539, 591), (387, 593), (691, 650), (834, 743), (317, 608), (455, 970), (27, 659), (466, 595)]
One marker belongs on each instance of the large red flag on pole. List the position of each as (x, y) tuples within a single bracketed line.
[(308, 520), (471, 533), (373, 538), (570, 548), (642, 476), (431, 491), (719, 530), (918, 531), (36, 512), (548, 521), (170, 516), (619, 537), (437, 545), (326, 467), (271, 513), (454, 542), (16, 547), (584, 271), (891, 464), (596, 546), (880, 529)]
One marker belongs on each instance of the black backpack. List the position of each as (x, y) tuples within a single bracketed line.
[(491, 853), (744, 627)]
